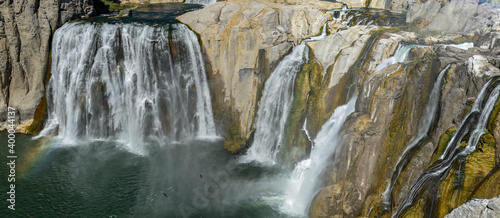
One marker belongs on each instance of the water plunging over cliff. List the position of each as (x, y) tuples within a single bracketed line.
[(133, 83), (424, 129), (275, 105), (473, 124), (303, 184)]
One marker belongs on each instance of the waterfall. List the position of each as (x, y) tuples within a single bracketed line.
[(304, 182), (463, 46), (401, 55), (474, 109), (133, 83), (276, 103), (424, 129), (436, 172), (201, 2), (275, 106)]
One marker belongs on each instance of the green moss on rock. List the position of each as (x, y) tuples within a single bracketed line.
[(444, 139), (235, 146)]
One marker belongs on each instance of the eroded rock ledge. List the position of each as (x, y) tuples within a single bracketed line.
[(26, 29)]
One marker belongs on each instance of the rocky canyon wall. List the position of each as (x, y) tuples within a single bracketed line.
[(243, 41), (26, 29)]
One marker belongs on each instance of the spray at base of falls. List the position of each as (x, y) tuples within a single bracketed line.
[(134, 83), (438, 170), (424, 130), (276, 103), (303, 184)]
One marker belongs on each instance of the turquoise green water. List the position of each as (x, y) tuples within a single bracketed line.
[(101, 179)]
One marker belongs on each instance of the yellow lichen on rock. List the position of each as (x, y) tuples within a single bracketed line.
[(23, 128)]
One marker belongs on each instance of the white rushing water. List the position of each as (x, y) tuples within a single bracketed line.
[(201, 2), (130, 83), (274, 108), (340, 15), (474, 109), (436, 172), (401, 55), (304, 183), (275, 105), (424, 128), (463, 46)]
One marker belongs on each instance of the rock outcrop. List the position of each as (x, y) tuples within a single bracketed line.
[(480, 208), (465, 16), (26, 29)]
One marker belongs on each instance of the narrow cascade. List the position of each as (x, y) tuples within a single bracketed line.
[(304, 128), (424, 129), (275, 105), (133, 83), (437, 171), (401, 55), (201, 2), (304, 182), (474, 109)]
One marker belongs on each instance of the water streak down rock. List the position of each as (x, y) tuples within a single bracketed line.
[(416, 142)]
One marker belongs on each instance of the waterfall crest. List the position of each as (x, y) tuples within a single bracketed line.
[(133, 83)]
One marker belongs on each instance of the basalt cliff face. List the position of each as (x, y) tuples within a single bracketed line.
[(26, 29), (244, 41), (407, 113)]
